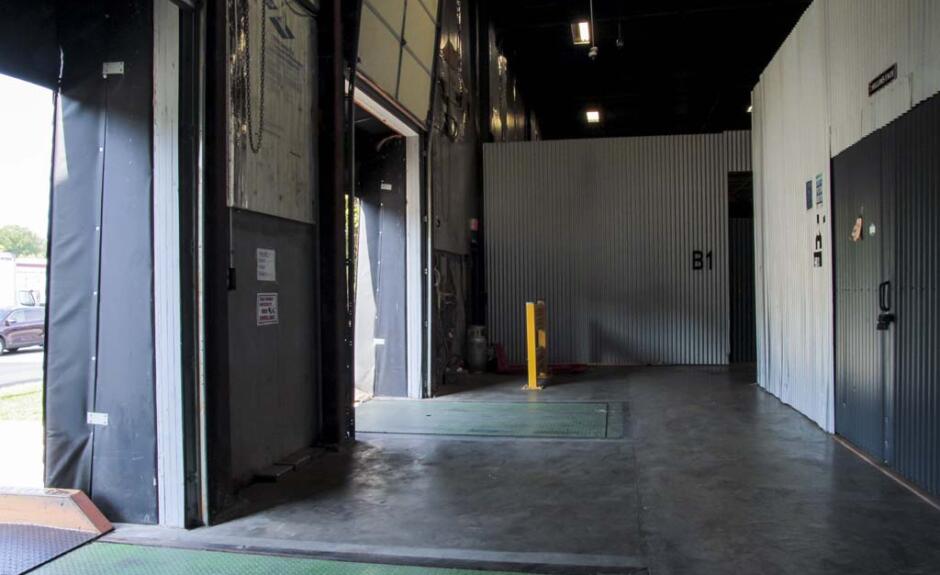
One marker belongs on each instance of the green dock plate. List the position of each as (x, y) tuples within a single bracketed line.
[(120, 559), (499, 419)]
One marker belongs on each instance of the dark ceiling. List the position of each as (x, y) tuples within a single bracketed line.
[(686, 66)]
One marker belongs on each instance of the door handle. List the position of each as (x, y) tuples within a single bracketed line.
[(884, 296)]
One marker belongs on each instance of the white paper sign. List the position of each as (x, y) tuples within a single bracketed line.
[(267, 309), (267, 265)]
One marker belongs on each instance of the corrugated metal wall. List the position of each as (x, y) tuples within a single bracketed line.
[(865, 38), (604, 231), (859, 384), (816, 84), (915, 149), (794, 299)]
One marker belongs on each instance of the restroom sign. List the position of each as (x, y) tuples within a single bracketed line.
[(267, 312)]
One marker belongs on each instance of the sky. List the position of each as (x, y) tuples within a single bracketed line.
[(25, 154)]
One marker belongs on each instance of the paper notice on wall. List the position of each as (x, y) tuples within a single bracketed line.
[(267, 309), (267, 265)]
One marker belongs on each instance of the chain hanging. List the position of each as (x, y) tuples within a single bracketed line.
[(244, 25)]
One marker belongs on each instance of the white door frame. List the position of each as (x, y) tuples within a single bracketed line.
[(171, 480), (414, 277)]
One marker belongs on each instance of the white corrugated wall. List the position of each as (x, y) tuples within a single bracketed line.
[(604, 231), (811, 103), (865, 38)]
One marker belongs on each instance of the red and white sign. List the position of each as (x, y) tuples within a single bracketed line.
[(267, 309)]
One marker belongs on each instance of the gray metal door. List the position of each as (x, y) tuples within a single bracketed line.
[(911, 162), (887, 294), (860, 294)]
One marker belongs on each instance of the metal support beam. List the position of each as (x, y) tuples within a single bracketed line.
[(335, 349)]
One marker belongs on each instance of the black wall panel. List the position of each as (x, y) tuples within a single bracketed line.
[(100, 346), (29, 49), (273, 382), (741, 288), (382, 191)]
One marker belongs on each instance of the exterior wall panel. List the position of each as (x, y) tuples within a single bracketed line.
[(604, 231)]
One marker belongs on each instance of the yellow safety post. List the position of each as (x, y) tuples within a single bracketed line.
[(536, 344)]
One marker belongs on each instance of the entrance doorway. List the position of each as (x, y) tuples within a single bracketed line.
[(381, 345), (741, 268), (26, 112), (390, 332)]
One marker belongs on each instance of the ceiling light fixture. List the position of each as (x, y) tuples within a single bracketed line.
[(581, 33), (593, 116)]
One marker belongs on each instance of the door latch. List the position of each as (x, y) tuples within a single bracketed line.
[(885, 320)]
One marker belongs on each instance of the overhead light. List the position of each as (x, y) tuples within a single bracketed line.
[(581, 33), (593, 116), (750, 108)]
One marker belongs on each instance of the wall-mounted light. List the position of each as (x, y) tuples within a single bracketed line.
[(581, 33), (750, 108), (593, 116)]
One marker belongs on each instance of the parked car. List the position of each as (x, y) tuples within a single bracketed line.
[(22, 327)]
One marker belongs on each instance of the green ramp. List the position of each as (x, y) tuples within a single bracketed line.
[(121, 559), (496, 419)]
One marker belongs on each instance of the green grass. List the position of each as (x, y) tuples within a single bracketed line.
[(21, 402)]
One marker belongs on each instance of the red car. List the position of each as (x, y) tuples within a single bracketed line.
[(22, 327)]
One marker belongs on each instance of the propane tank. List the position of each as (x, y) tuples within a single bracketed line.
[(476, 348)]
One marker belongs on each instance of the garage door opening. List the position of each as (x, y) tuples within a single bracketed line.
[(380, 271), (388, 278), (26, 112), (741, 267)]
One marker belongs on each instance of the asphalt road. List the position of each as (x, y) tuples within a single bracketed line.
[(24, 366)]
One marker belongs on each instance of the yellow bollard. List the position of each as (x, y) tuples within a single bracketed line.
[(536, 344)]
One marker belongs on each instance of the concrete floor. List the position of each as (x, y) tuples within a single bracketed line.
[(712, 476)]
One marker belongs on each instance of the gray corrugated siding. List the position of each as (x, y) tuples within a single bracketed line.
[(856, 180), (604, 231), (917, 388), (888, 382)]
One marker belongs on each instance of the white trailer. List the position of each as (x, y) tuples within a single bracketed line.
[(22, 281)]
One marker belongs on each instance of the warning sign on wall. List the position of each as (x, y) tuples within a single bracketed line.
[(267, 309), (267, 265)]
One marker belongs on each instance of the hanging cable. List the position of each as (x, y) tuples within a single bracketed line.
[(592, 53), (593, 31)]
